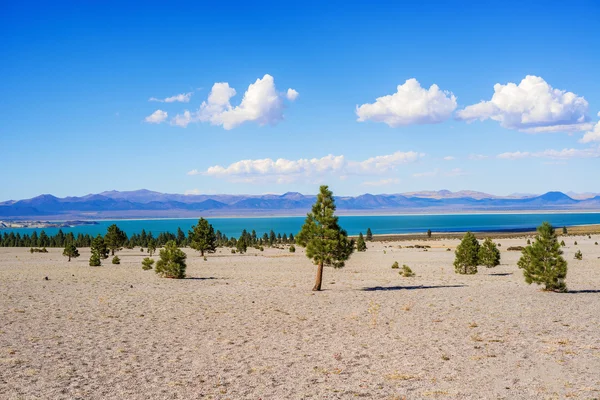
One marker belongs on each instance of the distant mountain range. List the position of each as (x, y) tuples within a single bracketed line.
[(149, 204)]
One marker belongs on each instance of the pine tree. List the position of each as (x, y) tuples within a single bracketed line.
[(95, 260), (326, 243), (542, 261), (242, 244), (147, 263), (151, 247), (369, 235), (115, 238), (202, 237), (172, 261), (99, 248), (70, 251), (180, 237), (360, 243), (467, 255), (489, 255)]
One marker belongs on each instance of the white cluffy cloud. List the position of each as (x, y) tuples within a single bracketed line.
[(532, 106), (292, 94), (284, 171), (411, 104), (563, 154), (261, 103), (156, 117), (593, 135), (449, 158), (180, 98)]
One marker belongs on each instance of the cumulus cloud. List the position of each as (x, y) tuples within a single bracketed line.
[(156, 117), (411, 104), (261, 103), (593, 135), (292, 94), (449, 158), (180, 98), (284, 170), (532, 106), (563, 154)]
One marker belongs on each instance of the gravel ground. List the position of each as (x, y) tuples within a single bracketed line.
[(249, 327)]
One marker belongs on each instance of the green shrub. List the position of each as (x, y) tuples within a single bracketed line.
[(292, 249), (395, 265), (562, 243), (575, 243), (515, 248), (528, 241), (263, 249), (448, 249), (406, 271), (489, 255), (95, 260), (578, 255), (596, 243), (172, 261), (467, 255), (232, 251), (116, 260), (147, 263)]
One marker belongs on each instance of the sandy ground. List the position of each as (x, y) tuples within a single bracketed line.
[(249, 327)]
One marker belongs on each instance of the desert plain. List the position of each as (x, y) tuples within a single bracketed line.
[(249, 327)]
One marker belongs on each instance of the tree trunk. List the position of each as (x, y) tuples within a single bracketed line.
[(202, 253), (69, 258), (319, 277), (113, 251)]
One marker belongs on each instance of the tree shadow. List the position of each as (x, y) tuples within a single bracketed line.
[(501, 274), (386, 288), (584, 291), (194, 278)]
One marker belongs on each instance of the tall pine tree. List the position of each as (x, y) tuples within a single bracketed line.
[(542, 261), (70, 251), (202, 237), (360, 243), (115, 238), (326, 243)]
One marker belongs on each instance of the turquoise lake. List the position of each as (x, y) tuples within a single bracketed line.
[(386, 224)]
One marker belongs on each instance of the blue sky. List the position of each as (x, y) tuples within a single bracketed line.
[(77, 79)]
